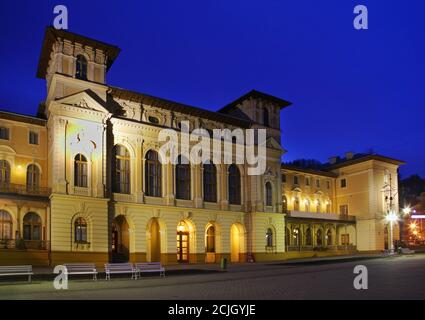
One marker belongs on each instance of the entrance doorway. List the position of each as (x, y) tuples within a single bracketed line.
[(237, 242), (120, 240), (154, 249), (182, 243)]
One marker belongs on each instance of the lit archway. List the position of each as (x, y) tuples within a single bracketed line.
[(120, 244), (237, 242), (153, 236)]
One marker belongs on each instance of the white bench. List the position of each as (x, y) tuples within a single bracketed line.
[(120, 268), (25, 270), (150, 267), (81, 268)]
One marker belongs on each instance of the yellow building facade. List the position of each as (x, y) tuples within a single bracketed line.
[(84, 180)]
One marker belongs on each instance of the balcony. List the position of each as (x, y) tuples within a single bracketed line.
[(321, 216), (22, 189), (293, 248), (24, 245)]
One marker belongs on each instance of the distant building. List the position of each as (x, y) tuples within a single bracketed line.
[(82, 181)]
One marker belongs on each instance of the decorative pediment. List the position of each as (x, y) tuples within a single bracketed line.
[(273, 144), (85, 100)]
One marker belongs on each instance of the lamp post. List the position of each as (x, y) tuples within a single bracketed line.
[(391, 218)]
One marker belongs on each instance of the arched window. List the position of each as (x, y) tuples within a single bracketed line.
[(296, 236), (153, 174), (80, 230), (269, 194), (234, 185), (32, 226), (121, 175), (33, 177), (5, 225), (319, 236), (80, 171), (308, 239), (306, 205), (318, 206), (296, 204), (182, 178), (269, 237), (329, 237), (266, 119), (4, 172), (81, 68), (284, 204), (287, 237), (328, 207), (210, 182), (210, 239)]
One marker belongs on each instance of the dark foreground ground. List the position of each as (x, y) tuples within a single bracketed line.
[(401, 277)]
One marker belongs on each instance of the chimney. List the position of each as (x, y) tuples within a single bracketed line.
[(349, 155), (332, 160)]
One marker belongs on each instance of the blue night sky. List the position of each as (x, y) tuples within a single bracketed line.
[(351, 90)]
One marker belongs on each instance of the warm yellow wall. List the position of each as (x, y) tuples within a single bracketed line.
[(20, 153)]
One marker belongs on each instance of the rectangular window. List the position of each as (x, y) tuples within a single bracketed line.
[(4, 133), (343, 209), (283, 178), (307, 181), (295, 179), (318, 183), (33, 137), (343, 183), (328, 184), (345, 239)]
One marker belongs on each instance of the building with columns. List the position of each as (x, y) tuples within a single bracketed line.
[(84, 180)]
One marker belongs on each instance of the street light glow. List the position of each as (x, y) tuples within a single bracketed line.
[(413, 225), (407, 210), (391, 217)]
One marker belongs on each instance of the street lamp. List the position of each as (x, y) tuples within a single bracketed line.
[(391, 218)]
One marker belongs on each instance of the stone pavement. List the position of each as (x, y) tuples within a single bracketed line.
[(389, 277)]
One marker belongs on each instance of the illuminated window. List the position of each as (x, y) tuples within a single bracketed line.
[(33, 177), (269, 194), (308, 239), (80, 171), (319, 237), (307, 205), (81, 67), (343, 209), (33, 137), (284, 204), (5, 225), (318, 206), (210, 239), (153, 174), (80, 230), (32, 226), (4, 133), (4, 173), (182, 179), (121, 165), (296, 204), (234, 185), (210, 182)]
